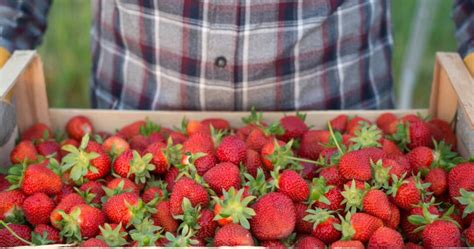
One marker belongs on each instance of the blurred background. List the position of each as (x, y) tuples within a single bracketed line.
[(67, 57)]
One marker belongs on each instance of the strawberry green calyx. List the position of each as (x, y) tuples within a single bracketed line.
[(182, 127), (257, 185), (188, 168), (301, 116), (317, 191), (78, 160), (427, 218), (113, 236), (15, 216), (149, 128), (423, 187), (54, 166), (345, 227), (402, 136), (466, 199), (140, 167), (396, 184), (318, 216), (217, 135), (381, 174), (444, 157), (283, 156), (70, 226), (115, 191), (274, 128), (190, 215), (184, 239), (161, 185), (141, 211), (367, 136), (40, 239), (145, 233), (172, 152), (233, 205), (353, 197), (87, 196), (254, 117), (15, 175)]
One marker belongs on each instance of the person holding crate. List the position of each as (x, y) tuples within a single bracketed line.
[(232, 55)]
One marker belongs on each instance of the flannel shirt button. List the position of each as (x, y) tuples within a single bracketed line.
[(220, 61)]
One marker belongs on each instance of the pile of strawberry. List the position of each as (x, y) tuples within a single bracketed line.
[(393, 183)]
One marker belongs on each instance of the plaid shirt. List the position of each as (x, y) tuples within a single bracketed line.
[(228, 54)]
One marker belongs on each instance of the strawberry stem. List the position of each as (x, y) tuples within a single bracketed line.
[(302, 160), (15, 235), (333, 137)]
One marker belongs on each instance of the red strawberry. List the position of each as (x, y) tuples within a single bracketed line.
[(223, 176), (441, 234), (384, 121), (82, 221), (118, 208), (170, 178), (354, 244), (199, 142), (93, 188), (460, 177), (273, 244), (48, 232), (4, 184), (360, 226), (37, 208), (405, 193), (252, 162), (233, 235), (37, 131), (339, 123), (294, 126), (133, 166), (161, 158), (446, 131), (94, 242), (131, 130), (302, 226), (217, 123), (394, 219), (195, 127), (411, 245), (203, 164), (152, 192), (420, 158), (386, 237), (390, 148), (207, 225), (37, 178), (190, 189), (408, 228), (10, 202), (355, 165), (332, 176), (324, 225), (312, 143), (177, 137), (309, 242), (257, 139), (67, 202), (438, 181), (334, 197), (139, 143), (79, 126), (232, 149), (7, 239), (24, 151), (49, 148), (274, 217), (414, 134), (376, 203), (115, 145), (290, 183), (164, 218), (469, 235)]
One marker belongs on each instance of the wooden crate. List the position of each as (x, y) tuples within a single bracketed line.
[(452, 99)]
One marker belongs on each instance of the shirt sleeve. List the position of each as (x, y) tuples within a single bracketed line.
[(22, 23), (463, 16)]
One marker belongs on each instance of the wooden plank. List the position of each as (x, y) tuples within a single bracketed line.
[(13, 69), (455, 74), (30, 96), (109, 120)]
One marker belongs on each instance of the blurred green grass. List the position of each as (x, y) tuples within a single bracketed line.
[(67, 59)]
